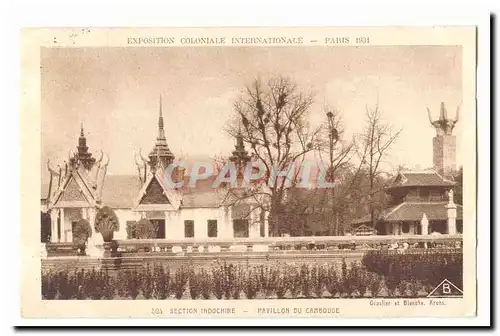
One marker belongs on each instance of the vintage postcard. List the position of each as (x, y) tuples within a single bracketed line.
[(248, 172)]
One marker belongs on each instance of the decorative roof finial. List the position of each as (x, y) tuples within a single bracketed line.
[(161, 131), (160, 119), (161, 150), (239, 141), (443, 114), (443, 125), (239, 156), (83, 155)]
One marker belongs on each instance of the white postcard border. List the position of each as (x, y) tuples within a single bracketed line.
[(481, 205)]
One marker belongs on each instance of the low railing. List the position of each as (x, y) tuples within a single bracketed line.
[(62, 249), (286, 243), (267, 244)]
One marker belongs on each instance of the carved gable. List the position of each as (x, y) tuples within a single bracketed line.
[(72, 193), (154, 194)]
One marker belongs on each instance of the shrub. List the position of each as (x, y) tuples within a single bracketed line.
[(344, 280), (194, 284), (295, 282), (318, 279), (237, 285), (429, 267), (354, 281), (305, 280), (147, 284), (267, 280), (392, 280), (179, 282), (282, 283), (218, 281), (121, 284), (81, 284), (133, 284), (374, 283), (227, 281), (108, 286), (67, 285), (333, 283), (206, 283), (161, 282), (49, 286), (251, 286), (95, 285), (413, 288)]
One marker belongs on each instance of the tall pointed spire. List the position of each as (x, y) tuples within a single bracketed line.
[(83, 155), (240, 156), (82, 141), (160, 152), (161, 130)]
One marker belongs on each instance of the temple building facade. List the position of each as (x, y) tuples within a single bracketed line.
[(81, 188), (422, 202)]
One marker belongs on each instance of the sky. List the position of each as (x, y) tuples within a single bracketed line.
[(115, 93)]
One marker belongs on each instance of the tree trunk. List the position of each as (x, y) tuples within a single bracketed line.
[(337, 229)]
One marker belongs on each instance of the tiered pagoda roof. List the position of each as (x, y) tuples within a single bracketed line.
[(413, 209), (429, 178)]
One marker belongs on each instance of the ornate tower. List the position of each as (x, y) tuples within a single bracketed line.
[(240, 156), (444, 143), (160, 154), (82, 156)]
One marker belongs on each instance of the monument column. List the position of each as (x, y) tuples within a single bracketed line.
[(452, 214), (266, 223), (424, 223), (53, 225), (444, 143), (91, 218), (228, 232), (62, 226)]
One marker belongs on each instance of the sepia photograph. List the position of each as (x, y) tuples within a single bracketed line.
[(248, 172), (251, 173)]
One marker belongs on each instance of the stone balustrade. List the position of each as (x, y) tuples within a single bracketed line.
[(133, 247)]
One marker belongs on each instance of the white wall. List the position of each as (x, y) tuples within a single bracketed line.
[(200, 216), (174, 222), (125, 215)]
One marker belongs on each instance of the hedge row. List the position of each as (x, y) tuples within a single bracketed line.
[(427, 267), (227, 281)]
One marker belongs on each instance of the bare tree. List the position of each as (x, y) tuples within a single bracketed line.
[(339, 153), (272, 118), (372, 147)]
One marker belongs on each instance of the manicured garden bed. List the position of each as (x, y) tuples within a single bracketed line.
[(221, 280)]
